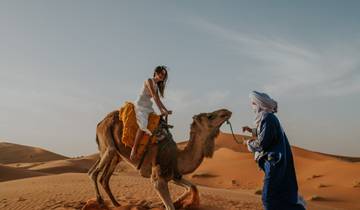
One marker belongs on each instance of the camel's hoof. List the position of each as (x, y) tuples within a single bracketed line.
[(191, 201), (116, 204), (101, 202), (94, 204)]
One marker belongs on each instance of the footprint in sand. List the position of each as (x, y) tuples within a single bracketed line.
[(316, 198), (203, 175), (315, 176), (93, 205), (258, 192), (323, 185), (20, 199), (356, 184)]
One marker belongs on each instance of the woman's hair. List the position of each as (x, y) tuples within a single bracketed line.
[(161, 84)]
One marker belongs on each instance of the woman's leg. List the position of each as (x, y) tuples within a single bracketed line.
[(139, 135)]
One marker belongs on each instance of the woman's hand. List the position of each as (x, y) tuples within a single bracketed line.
[(166, 112), (247, 128)]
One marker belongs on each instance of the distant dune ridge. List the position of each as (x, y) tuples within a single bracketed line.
[(231, 179), (16, 153), (11, 173)]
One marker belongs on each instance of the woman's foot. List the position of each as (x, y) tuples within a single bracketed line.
[(133, 153)]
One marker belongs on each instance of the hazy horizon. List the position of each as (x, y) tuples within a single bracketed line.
[(66, 64)]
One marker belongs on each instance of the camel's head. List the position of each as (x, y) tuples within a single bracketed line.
[(212, 120), (208, 124)]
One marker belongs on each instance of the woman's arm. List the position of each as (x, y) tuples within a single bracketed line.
[(265, 137), (155, 95)]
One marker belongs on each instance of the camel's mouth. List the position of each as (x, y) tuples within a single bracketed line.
[(226, 115)]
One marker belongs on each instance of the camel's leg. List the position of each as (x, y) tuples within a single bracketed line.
[(105, 178), (161, 188), (185, 184), (93, 176), (93, 166), (190, 198), (103, 172), (104, 161)]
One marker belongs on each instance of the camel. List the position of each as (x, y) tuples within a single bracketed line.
[(203, 130)]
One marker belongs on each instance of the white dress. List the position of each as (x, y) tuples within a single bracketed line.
[(143, 107)]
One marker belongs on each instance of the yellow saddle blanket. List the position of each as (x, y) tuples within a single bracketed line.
[(130, 127)]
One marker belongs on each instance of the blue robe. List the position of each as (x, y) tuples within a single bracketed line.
[(280, 190)]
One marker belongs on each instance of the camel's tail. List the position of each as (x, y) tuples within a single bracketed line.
[(97, 160), (97, 142), (97, 138)]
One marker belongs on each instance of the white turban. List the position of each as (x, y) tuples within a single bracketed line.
[(263, 104)]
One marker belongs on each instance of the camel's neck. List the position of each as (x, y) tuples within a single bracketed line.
[(192, 155)]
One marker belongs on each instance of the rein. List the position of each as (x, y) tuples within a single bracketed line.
[(232, 132)]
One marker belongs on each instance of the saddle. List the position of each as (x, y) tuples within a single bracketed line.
[(128, 117), (166, 156)]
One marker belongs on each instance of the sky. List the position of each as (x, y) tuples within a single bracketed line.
[(65, 64)]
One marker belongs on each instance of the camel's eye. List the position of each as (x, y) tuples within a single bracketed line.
[(211, 116)]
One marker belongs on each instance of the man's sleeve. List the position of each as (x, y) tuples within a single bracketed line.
[(264, 137)]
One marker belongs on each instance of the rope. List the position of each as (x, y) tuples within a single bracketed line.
[(232, 132)]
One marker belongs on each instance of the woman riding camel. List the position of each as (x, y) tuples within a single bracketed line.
[(273, 155), (153, 88)]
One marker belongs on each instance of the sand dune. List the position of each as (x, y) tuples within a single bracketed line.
[(72, 190), (228, 169), (79, 165), (332, 178), (16, 153), (230, 180), (226, 140), (70, 165), (74, 165), (10, 173)]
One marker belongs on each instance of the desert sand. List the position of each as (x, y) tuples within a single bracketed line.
[(33, 178)]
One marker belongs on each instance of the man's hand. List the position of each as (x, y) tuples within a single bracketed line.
[(248, 141), (247, 128)]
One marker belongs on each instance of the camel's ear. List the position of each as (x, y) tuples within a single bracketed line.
[(194, 117), (197, 122)]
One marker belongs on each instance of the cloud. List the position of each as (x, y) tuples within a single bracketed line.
[(286, 66), (182, 100)]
